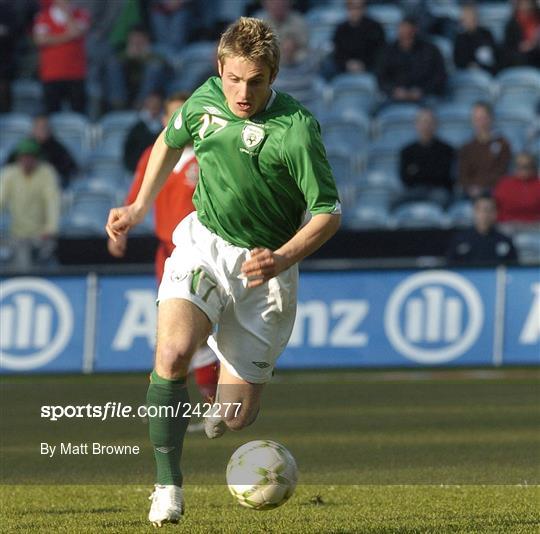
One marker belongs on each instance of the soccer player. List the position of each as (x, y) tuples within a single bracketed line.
[(173, 204), (233, 273)]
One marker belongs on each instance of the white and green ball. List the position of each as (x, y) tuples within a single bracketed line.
[(262, 475)]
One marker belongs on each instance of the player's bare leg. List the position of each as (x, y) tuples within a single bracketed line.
[(237, 404), (182, 329)]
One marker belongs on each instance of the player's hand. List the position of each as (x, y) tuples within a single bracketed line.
[(117, 248), (263, 265), (121, 220)]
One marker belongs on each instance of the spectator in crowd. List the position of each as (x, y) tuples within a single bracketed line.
[(8, 41), (474, 46), (426, 165), (59, 33), (518, 195), (357, 41), (482, 243), (295, 77), (170, 20), (522, 35), (144, 132), (136, 72), (286, 21), (411, 69), (30, 193), (51, 150), (483, 160)]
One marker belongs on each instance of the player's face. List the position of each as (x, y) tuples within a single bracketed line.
[(246, 85)]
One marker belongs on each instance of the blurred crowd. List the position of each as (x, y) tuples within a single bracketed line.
[(109, 59)]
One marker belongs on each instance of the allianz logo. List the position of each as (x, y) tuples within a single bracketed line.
[(434, 316), (36, 323)]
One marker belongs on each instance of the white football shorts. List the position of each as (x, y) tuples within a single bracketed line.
[(251, 325)]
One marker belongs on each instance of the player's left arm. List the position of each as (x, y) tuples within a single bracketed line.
[(265, 263), (304, 155)]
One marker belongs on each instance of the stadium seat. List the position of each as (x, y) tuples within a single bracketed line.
[(446, 48), (347, 130), (322, 21), (469, 86), (374, 181), (519, 84), (193, 64), (387, 15), (494, 15), (14, 127), (341, 163), (88, 214), (353, 92), (366, 217), (113, 129), (383, 156), (74, 131), (460, 213), (420, 215), (395, 124), (527, 244), (454, 123), (515, 124), (27, 96)]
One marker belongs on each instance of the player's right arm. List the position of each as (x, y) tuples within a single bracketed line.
[(162, 161)]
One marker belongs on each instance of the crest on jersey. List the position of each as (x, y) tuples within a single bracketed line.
[(212, 110), (252, 135)]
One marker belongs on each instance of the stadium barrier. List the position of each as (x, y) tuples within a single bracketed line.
[(383, 318)]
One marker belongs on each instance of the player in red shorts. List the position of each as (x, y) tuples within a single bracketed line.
[(172, 204)]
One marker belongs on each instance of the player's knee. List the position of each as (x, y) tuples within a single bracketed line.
[(172, 360)]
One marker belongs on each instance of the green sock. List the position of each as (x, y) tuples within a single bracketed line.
[(167, 433)]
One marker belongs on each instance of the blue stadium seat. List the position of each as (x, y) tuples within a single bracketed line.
[(322, 21), (527, 244), (14, 127), (494, 15), (341, 163), (454, 123), (88, 214), (519, 84), (354, 92), (446, 48), (515, 124), (396, 124), (374, 181), (114, 127), (460, 213), (194, 63), (367, 217), (387, 15), (75, 132), (469, 86), (420, 215), (347, 130), (27, 96), (383, 156)]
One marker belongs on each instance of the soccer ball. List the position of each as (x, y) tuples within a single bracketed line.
[(262, 475)]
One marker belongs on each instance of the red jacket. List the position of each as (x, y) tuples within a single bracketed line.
[(518, 200), (66, 61)]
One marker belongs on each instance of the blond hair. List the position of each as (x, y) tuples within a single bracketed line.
[(251, 39)]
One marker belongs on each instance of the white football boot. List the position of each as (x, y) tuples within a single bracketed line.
[(167, 505)]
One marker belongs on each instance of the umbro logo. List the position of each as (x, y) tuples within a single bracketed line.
[(164, 450), (212, 110), (261, 365)]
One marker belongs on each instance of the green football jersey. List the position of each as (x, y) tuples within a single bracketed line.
[(258, 175)]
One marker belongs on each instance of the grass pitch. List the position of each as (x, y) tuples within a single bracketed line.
[(406, 452)]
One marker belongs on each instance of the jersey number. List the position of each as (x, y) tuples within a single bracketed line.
[(207, 120)]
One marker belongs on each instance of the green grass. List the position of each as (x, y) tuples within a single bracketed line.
[(378, 452)]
